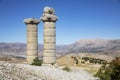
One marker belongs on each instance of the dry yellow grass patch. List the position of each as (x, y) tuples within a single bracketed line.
[(65, 61)]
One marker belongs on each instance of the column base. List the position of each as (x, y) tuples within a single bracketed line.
[(49, 60), (30, 59), (51, 65)]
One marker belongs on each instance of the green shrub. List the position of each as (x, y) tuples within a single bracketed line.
[(104, 73), (66, 69), (37, 62), (85, 58), (111, 72)]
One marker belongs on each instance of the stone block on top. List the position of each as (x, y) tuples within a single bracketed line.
[(31, 21)]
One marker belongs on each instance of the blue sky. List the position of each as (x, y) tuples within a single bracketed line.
[(78, 19)]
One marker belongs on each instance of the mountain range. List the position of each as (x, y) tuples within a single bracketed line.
[(97, 46)]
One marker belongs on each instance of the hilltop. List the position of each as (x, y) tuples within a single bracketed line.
[(12, 71)]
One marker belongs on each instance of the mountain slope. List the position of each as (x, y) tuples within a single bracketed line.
[(108, 47)]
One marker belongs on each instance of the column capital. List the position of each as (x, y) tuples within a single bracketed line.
[(49, 15), (31, 21)]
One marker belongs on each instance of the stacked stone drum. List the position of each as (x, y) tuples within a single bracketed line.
[(32, 39), (49, 19)]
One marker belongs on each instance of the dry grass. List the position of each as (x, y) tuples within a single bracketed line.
[(68, 61), (12, 59), (65, 61)]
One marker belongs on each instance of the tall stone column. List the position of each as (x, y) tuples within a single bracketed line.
[(32, 39), (49, 19)]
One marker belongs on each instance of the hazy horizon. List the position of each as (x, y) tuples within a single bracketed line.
[(68, 43)]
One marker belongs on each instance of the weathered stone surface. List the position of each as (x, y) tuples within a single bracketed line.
[(49, 60), (50, 24), (49, 39), (31, 21), (49, 46), (49, 53), (32, 39), (49, 15), (32, 28), (32, 35), (30, 59), (49, 32), (32, 46), (32, 52), (49, 18)]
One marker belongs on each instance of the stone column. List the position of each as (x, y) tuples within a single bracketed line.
[(32, 39), (49, 19)]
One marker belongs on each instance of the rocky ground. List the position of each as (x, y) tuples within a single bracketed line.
[(13, 71)]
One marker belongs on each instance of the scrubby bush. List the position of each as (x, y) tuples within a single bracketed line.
[(66, 69), (85, 58), (91, 60), (83, 62), (111, 72), (37, 62)]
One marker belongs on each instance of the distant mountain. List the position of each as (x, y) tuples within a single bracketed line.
[(108, 47), (97, 45), (100, 46), (15, 49), (12, 48)]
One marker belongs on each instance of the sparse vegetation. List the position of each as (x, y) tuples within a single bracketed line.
[(66, 69), (37, 62), (88, 59), (111, 71), (94, 60)]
